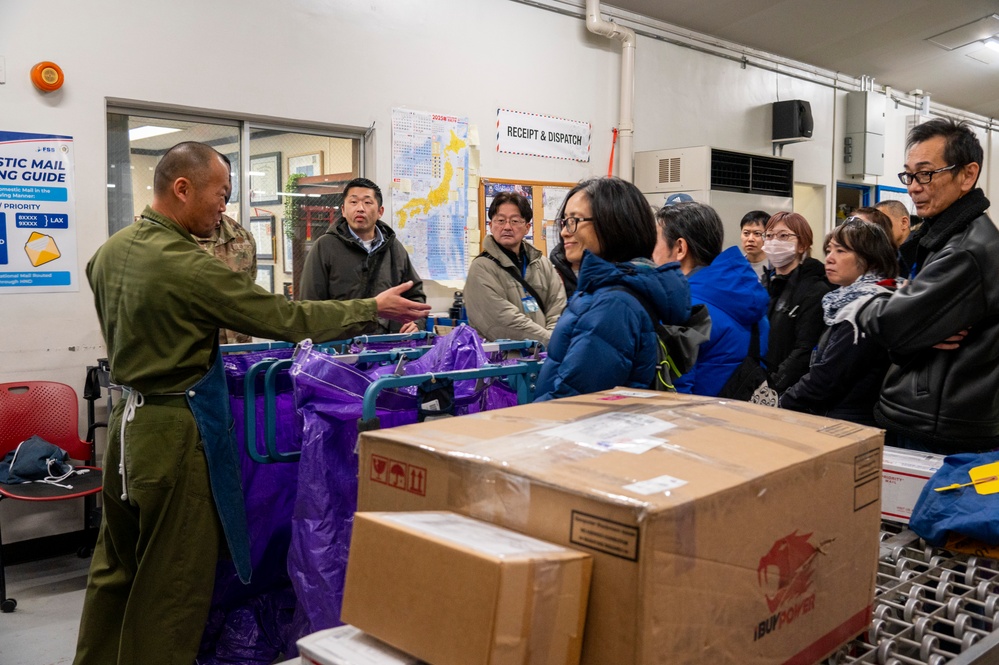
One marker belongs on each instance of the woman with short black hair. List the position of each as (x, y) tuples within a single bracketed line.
[(848, 368), (606, 336)]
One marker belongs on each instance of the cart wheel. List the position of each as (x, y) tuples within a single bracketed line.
[(84, 551), (8, 606)]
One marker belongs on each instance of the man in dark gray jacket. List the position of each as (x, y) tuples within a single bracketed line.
[(942, 328), (359, 256)]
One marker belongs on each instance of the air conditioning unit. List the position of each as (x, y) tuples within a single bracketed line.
[(733, 183), (915, 119)]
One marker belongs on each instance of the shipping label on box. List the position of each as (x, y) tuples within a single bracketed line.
[(457, 591), (720, 531), (905, 473)]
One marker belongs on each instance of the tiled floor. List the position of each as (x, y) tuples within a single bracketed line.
[(43, 628)]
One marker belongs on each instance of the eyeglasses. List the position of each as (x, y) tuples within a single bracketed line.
[(512, 222), (752, 234), (569, 224), (783, 236), (922, 177)]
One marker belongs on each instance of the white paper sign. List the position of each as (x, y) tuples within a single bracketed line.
[(519, 133)]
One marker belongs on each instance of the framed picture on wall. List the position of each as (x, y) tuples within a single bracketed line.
[(262, 229), (265, 179), (308, 165), (289, 252), (265, 277), (233, 158)]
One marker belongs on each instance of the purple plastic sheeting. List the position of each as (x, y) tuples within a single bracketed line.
[(251, 623), (329, 396)]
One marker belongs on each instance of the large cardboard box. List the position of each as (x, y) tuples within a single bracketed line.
[(452, 590), (721, 532), (905, 474)]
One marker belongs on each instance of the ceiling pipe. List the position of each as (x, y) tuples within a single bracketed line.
[(626, 115)]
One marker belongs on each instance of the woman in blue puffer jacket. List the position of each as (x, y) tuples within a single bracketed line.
[(606, 336)]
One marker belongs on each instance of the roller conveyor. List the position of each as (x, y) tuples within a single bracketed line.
[(931, 606)]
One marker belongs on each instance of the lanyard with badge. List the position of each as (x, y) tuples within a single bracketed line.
[(528, 301)]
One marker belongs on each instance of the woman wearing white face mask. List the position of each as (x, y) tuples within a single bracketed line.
[(796, 286)]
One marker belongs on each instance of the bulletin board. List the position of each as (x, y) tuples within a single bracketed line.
[(546, 199)]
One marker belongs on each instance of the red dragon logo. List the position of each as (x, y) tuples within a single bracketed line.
[(786, 571)]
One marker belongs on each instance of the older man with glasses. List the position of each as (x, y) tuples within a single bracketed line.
[(512, 290), (942, 328)]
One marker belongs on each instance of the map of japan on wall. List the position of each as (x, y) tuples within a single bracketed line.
[(430, 190)]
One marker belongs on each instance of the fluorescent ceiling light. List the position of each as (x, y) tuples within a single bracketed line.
[(992, 43), (983, 28), (147, 131), (257, 173), (289, 194)]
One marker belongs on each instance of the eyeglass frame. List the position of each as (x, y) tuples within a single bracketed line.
[(902, 176), (777, 236), (512, 223), (564, 223)]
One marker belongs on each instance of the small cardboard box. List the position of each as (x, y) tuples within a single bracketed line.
[(721, 532), (346, 645), (905, 473), (458, 591)]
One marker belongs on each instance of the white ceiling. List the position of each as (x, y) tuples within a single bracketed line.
[(886, 39)]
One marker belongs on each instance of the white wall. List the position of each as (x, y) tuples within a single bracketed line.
[(348, 63)]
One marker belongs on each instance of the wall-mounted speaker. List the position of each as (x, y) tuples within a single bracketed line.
[(792, 120)]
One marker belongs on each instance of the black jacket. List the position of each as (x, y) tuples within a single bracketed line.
[(796, 324), (339, 268), (844, 379), (946, 399)]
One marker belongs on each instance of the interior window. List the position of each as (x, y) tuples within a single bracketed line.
[(286, 183)]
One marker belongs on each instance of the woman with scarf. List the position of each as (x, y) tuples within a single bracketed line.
[(796, 286), (606, 336), (844, 380)]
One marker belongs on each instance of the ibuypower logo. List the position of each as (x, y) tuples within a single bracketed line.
[(785, 578)]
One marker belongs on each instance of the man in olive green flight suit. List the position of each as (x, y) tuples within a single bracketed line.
[(171, 499)]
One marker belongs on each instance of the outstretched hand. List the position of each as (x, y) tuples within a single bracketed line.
[(391, 305)]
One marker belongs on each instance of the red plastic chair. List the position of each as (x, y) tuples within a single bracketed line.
[(49, 410)]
